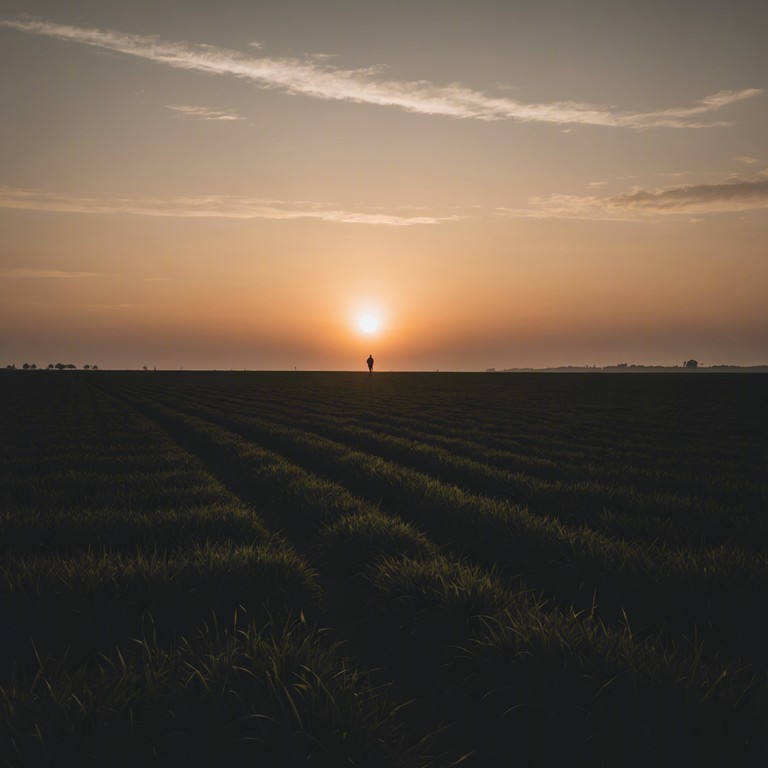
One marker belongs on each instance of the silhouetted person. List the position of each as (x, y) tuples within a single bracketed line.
[(370, 363)]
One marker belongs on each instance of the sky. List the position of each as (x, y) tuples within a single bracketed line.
[(442, 184)]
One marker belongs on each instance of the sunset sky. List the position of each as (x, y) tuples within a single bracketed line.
[(235, 184)]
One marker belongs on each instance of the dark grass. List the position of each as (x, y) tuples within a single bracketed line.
[(658, 585), (78, 606), (535, 569), (232, 695)]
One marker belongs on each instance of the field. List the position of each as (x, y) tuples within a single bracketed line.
[(338, 569)]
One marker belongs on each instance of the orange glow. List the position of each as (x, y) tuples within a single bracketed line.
[(431, 225)]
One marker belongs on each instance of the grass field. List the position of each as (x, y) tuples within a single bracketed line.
[(338, 569)]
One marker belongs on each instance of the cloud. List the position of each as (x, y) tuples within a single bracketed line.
[(734, 195), (211, 206), (731, 196), (746, 159), (75, 306), (119, 306), (203, 113), (317, 78), (23, 274)]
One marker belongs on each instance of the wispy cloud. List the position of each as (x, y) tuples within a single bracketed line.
[(20, 273), (203, 113), (211, 206), (132, 305), (730, 196), (70, 306), (317, 78), (746, 159)]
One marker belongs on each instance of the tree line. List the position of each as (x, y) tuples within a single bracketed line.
[(52, 367)]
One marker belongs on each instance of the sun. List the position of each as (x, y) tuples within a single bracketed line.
[(368, 323)]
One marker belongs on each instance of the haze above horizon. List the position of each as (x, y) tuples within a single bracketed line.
[(262, 185)]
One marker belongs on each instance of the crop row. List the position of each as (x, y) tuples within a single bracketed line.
[(681, 423), (653, 586), (615, 510), (442, 624), (114, 524), (124, 564), (491, 672), (715, 502), (598, 461)]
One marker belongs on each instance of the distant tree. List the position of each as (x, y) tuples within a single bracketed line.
[(25, 366), (33, 367), (11, 367), (145, 367), (59, 366), (94, 367), (71, 366), (50, 366), (86, 367), (691, 364)]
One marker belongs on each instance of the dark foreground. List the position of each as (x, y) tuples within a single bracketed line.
[(286, 569)]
